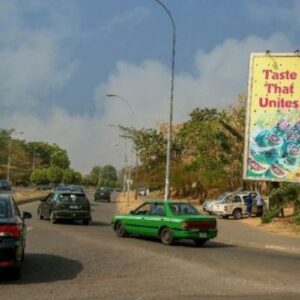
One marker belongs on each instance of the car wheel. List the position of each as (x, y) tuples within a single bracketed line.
[(237, 214), (52, 219), (166, 236), (200, 242), (86, 222), (120, 230)]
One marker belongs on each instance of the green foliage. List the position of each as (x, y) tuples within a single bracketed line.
[(102, 176), (287, 192), (26, 156), (39, 176), (108, 176), (269, 215), (296, 220), (59, 158), (68, 176), (55, 174), (77, 178)]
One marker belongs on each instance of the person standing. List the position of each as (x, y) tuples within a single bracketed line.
[(259, 204), (249, 202)]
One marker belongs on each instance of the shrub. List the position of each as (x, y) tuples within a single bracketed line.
[(296, 220), (269, 215)]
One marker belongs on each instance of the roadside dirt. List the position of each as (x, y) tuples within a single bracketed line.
[(125, 204), (281, 226)]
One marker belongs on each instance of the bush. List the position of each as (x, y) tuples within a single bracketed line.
[(296, 220), (269, 215)]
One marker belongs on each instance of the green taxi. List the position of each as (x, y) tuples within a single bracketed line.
[(167, 220)]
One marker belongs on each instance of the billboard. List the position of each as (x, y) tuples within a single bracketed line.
[(272, 139)]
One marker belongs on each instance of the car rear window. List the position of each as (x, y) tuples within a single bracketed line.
[(4, 208), (184, 209), (71, 198)]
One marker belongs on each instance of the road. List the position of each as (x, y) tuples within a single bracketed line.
[(69, 261)]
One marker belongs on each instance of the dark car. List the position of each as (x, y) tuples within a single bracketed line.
[(12, 235), (65, 205), (103, 193), (5, 185), (70, 188)]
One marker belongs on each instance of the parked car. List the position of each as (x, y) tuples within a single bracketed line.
[(103, 194), (67, 205), (5, 185), (12, 235), (235, 205), (168, 221), (142, 191), (208, 205)]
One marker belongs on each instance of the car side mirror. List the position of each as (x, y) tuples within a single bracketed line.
[(27, 215)]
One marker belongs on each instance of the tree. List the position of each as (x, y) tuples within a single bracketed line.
[(55, 174), (68, 176), (59, 158), (94, 176), (287, 192), (108, 176), (77, 178), (39, 176)]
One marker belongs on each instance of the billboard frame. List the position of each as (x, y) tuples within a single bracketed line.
[(248, 114)]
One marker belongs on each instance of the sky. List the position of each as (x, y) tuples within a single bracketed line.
[(59, 59)]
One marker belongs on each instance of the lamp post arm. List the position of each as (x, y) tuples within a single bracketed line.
[(124, 100)]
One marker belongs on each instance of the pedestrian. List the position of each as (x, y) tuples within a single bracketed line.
[(259, 204), (249, 202)]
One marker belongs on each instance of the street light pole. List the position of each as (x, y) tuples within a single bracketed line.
[(169, 143), (111, 95)]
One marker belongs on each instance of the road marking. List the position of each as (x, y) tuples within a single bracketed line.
[(29, 228)]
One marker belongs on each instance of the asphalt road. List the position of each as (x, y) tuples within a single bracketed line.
[(72, 261)]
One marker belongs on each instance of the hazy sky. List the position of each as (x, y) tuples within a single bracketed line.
[(58, 58)]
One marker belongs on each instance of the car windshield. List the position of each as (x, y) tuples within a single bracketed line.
[(183, 209), (221, 197), (71, 198), (4, 210)]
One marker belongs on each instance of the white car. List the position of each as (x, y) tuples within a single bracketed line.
[(208, 205), (234, 205)]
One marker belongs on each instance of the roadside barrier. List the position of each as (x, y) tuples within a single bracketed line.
[(33, 197)]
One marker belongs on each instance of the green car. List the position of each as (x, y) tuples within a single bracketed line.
[(167, 220)]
